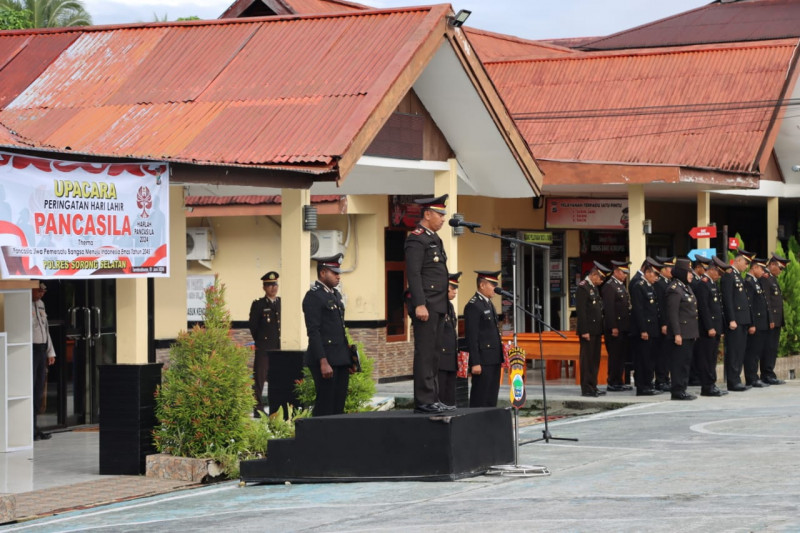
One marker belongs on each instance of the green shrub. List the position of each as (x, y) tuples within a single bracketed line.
[(789, 281), (204, 402), (360, 390)]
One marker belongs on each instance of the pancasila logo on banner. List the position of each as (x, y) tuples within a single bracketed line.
[(81, 220)]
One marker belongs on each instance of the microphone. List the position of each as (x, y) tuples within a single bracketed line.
[(504, 294), (456, 223)]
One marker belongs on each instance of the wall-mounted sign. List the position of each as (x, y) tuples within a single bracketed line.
[(538, 237), (83, 220), (196, 296), (591, 213)]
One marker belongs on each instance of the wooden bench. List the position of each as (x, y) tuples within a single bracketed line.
[(555, 350)]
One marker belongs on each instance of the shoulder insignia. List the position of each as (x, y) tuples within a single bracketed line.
[(582, 283), (314, 287), (673, 286), (419, 231), (473, 299)]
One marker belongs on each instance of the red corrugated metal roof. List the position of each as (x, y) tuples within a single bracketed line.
[(703, 106), (265, 92), (718, 22), (491, 46), (193, 201)]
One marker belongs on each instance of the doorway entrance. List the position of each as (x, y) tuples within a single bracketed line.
[(83, 325), (540, 279)]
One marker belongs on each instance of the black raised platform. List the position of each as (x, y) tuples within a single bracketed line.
[(388, 446)]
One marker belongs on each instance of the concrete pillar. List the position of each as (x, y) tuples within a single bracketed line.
[(170, 293), (772, 225), (132, 321), (703, 216), (446, 182), (295, 261), (637, 240)]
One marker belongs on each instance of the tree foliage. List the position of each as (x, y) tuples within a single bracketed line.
[(14, 20), (49, 13)]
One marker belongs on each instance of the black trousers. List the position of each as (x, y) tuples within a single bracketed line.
[(644, 353), (663, 352), (618, 348), (427, 347), (705, 359), (260, 369), (735, 346), (331, 392), (589, 358), (756, 345), (485, 387), (39, 377), (680, 363), (447, 386), (770, 354)]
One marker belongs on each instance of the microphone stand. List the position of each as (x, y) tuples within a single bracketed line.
[(546, 436), (516, 470)]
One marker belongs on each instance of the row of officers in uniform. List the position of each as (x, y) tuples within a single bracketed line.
[(667, 324)]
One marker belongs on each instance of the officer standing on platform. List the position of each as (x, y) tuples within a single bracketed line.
[(328, 354), (448, 359), (709, 309), (758, 333), (426, 270), (265, 327), (483, 342), (664, 345), (682, 327), (645, 328), (617, 324), (736, 310), (776, 322), (589, 309)]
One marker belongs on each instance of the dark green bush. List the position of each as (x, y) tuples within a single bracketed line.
[(360, 390), (205, 399)]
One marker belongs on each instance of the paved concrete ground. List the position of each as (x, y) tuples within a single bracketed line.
[(714, 464)]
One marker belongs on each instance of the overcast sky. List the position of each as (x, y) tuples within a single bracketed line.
[(532, 19)]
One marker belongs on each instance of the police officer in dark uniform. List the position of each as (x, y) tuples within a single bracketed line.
[(682, 327), (736, 310), (772, 289), (700, 265), (664, 345), (448, 359), (483, 340), (328, 353), (265, 327), (709, 309), (617, 324), (426, 270), (589, 310), (758, 333), (645, 328)]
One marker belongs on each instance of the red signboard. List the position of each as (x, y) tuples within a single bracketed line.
[(703, 232), (733, 243)]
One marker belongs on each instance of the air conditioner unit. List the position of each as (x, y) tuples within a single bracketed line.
[(199, 244), (326, 243)]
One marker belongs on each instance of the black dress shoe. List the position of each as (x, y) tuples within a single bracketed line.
[(713, 391), (774, 381), (590, 394), (428, 408), (758, 384), (663, 387), (38, 434), (615, 388), (683, 396), (739, 387), (445, 407), (648, 392)]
